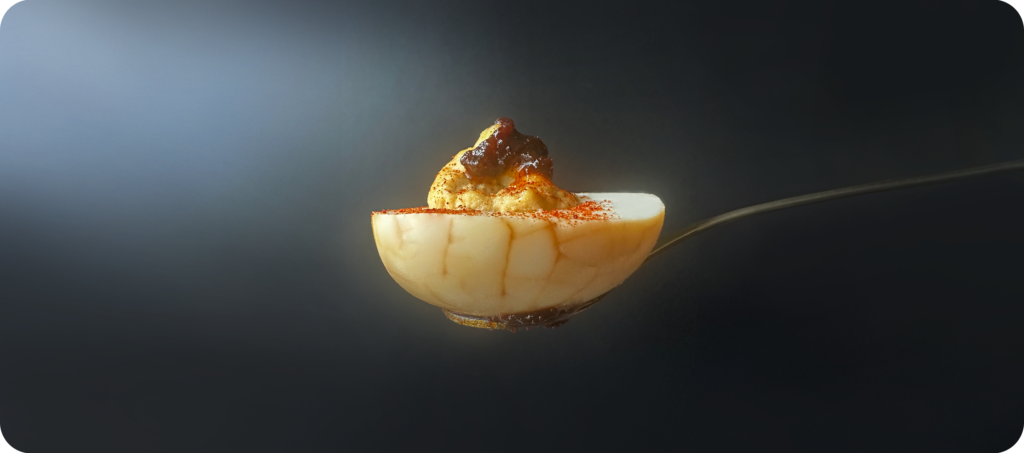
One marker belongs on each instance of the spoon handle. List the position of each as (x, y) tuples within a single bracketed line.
[(880, 186)]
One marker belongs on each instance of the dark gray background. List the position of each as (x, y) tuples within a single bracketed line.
[(186, 260)]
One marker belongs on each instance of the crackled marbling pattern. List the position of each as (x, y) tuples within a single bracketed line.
[(494, 264)]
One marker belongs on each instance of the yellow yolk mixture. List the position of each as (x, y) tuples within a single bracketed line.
[(511, 186)]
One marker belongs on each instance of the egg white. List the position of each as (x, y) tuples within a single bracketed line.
[(493, 264)]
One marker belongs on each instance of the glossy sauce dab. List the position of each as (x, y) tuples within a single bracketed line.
[(507, 150)]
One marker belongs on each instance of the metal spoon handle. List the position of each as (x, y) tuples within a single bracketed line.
[(880, 186)]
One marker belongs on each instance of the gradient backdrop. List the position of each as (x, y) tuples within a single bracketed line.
[(186, 260)]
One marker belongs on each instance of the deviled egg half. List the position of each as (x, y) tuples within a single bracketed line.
[(500, 246)]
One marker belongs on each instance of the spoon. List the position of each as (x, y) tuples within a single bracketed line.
[(556, 316)]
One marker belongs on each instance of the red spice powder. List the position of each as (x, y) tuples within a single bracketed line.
[(426, 210), (588, 210)]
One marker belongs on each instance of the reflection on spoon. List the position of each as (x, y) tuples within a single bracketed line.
[(556, 316)]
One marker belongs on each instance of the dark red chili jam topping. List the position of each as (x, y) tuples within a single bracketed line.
[(507, 149)]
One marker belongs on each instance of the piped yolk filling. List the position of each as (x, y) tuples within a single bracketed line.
[(505, 171)]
